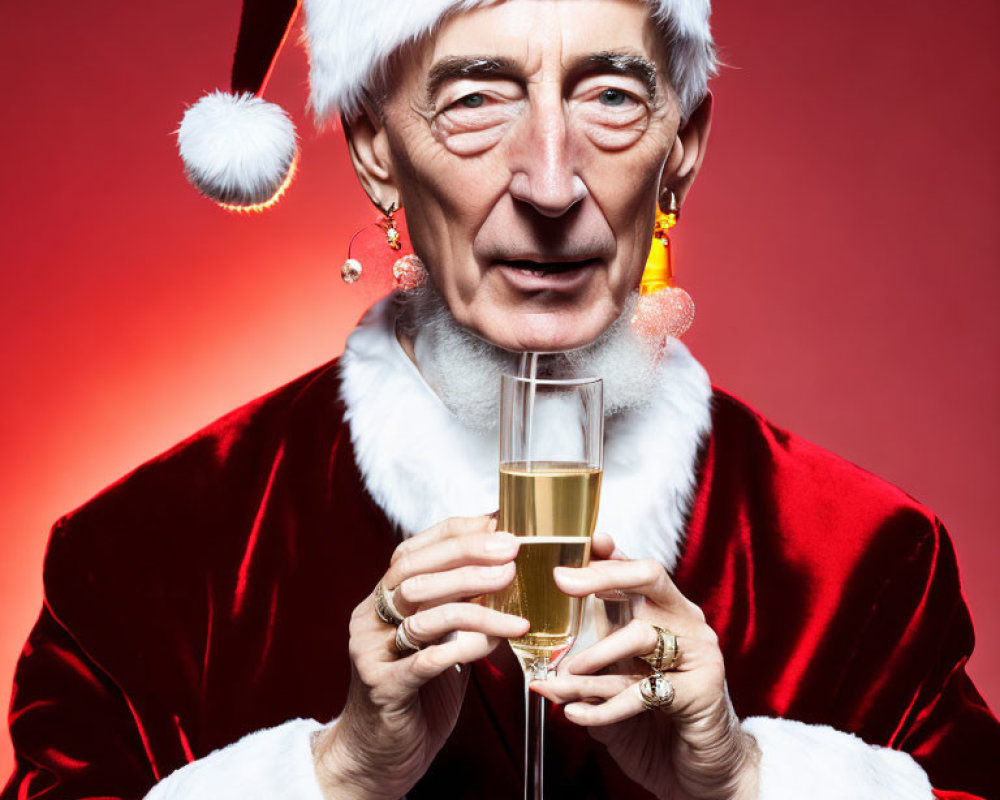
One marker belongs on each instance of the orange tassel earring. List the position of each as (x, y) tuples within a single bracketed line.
[(664, 308)]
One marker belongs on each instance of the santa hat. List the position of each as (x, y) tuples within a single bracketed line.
[(239, 150)]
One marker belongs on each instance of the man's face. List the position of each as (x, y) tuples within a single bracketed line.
[(528, 141)]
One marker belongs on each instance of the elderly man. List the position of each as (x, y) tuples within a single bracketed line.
[(215, 609)]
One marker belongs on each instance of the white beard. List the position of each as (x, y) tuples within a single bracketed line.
[(423, 464), (465, 371)]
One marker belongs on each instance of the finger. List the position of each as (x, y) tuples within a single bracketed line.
[(689, 691), (602, 546), (434, 623), (623, 705), (424, 665), (446, 529), (644, 576), (573, 688), (635, 640), (452, 552), (435, 588)]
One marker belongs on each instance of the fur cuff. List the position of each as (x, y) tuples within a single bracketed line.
[(271, 764), (821, 763)]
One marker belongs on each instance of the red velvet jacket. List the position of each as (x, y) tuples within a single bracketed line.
[(207, 595)]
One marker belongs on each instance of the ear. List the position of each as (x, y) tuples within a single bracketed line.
[(688, 151), (368, 144)]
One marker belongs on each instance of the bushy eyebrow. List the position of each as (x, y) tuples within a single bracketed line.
[(619, 63), (616, 63), (457, 67)]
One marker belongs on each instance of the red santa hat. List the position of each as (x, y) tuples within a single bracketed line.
[(239, 150)]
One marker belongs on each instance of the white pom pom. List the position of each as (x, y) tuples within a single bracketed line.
[(237, 149)]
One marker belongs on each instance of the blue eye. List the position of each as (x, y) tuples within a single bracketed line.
[(613, 97), (475, 100)]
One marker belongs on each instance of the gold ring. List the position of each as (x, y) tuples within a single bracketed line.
[(666, 653), (672, 653), (385, 608), (404, 644), (656, 691)]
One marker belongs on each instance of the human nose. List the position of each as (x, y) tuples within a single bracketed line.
[(543, 173)]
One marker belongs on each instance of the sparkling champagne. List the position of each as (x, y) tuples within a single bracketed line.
[(552, 508)]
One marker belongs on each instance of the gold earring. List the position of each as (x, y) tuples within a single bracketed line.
[(407, 271), (388, 224), (664, 308), (351, 271)]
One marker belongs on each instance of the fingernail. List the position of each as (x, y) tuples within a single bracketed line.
[(565, 573), (501, 542), (490, 573)]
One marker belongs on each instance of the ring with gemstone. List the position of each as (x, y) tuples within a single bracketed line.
[(656, 691)]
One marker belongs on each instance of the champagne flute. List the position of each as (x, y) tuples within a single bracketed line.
[(551, 453)]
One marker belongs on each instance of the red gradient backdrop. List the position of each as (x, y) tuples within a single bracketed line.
[(840, 246)]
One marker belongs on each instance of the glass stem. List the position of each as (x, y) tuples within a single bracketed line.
[(534, 734)]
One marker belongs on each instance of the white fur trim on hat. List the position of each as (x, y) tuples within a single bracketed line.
[(348, 41), (238, 150)]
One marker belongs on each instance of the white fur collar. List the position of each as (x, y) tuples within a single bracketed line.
[(421, 465)]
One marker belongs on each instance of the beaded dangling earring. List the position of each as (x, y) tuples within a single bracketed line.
[(664, 309), (388, 224), (408, 271)]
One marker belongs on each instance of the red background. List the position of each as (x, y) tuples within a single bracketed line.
[(840, 246)]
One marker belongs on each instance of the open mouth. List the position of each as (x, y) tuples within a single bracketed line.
[(541, 268)]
